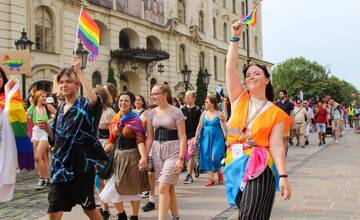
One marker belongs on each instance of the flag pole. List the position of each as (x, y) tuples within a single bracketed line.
[(77, 29)]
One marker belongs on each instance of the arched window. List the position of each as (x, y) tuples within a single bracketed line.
[(128, 38), (244, 40), (242, 8), (201, 21), (214, 27), (124, 40), (182, 56), (225, 31), (256, 45), (96, 79), (43, 30), (152, 43), (181, 11), (215, 68), (234, 6), (104, 33), (202, 60), (43, 85)]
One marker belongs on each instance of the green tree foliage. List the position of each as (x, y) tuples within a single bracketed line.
[(111, 75), (201, 90), (297, 74)]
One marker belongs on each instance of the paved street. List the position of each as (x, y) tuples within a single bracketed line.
[(325, 183)]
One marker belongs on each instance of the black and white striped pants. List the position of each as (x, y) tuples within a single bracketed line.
[(257, 199)]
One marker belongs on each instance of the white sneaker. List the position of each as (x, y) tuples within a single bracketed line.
[(336, 141)]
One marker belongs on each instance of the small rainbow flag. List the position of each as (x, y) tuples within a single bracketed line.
[(13, 64), (250, 19), (89, 34)]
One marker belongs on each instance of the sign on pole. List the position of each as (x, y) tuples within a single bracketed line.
[(15, 61)]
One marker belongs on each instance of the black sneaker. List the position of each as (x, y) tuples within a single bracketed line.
[(320, 144), (122, 216), (104, 214), (324, 141), (291, 142), (41, 184), (306, 142), (188, 179), (134, 217), (148, 206)]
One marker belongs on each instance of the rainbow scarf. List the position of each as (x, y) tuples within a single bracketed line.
[(250, 19), (249, 166), (89, 34), (133, 121), (18, 121)]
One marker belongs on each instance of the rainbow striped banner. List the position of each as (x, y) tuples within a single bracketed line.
[(89, 33), (250, 19)]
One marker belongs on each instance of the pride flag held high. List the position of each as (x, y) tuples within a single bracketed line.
[(250, 19), (89, 34)]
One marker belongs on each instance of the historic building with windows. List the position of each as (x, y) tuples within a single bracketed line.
[(135, 39)]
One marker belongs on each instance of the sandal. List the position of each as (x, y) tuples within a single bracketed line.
[(220, 178), (211, 182)]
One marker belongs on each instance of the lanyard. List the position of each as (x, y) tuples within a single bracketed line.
[(250, 119)]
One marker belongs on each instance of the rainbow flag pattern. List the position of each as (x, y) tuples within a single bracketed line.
[(250, 19), (89, 34), (13, 64)]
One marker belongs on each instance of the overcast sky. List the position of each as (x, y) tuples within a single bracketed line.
[(326, 31)]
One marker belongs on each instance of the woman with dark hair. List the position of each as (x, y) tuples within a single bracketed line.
[(130, 159), (15, 147), (140, 107), (212, 142), (114, 95), (175, 102), (255, 159), (166, 138)]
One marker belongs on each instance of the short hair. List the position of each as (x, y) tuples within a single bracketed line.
[(190, 92), (283, 91), (112, 90), (105, 96), (5, 80), (70, 72), (131, 96), (37, 96), (165, 89)]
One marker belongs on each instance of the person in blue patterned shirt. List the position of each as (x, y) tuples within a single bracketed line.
[(76, 148)]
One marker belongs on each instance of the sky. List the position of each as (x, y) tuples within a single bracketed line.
[(326, 31)]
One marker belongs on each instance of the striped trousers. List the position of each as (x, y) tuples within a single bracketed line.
[(257, 199)]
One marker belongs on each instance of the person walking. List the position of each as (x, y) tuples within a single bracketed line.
[(352, 115), (335, 117), (76, 147), (299, 118), (308, 121), (192, 113), (321, 121), (287, 107), (167, 144), (212, 142), (255, 150)]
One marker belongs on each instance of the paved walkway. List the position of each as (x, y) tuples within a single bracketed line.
[(310, 190)]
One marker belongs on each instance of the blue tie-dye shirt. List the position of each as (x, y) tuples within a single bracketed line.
[(76, 146)]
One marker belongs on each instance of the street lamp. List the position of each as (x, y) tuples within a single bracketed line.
[(186, 76), (160, 68), (206, 78), (82, 54), (23, 44)]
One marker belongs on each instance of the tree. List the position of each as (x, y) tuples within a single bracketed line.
[(111, 75), (201, 90)]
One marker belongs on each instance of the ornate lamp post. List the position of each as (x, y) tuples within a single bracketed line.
[(23, 44), (206, 78), (186, 76), (160, 68), (82, 53)]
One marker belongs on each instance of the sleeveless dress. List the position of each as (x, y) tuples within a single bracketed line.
[(212, 145)]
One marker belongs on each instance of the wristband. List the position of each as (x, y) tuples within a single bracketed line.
[(283, 176), (234, 39)]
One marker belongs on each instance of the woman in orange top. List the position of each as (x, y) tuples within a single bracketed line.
[(255, 151)]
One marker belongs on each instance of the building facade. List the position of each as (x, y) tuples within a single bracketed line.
[(192, 32)]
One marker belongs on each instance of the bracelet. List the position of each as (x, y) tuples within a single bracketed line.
[(181, 158), (283, 176), (234, 39)]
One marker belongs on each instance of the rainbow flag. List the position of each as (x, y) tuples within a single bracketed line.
[(13, 64), (89, 34), (250, 19)]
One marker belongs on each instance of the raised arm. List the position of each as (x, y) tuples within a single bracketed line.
[(89, 91), (233, 85)]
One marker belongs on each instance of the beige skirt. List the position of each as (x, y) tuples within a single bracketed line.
[(128, 179)]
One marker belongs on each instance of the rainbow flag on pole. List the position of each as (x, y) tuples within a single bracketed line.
[(89, 34), (250, 19)]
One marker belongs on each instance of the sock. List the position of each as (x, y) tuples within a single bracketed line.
[(152, 199)]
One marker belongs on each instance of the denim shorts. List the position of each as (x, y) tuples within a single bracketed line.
[(321, 127)]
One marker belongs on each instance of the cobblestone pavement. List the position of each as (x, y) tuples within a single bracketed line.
[(195, 200)]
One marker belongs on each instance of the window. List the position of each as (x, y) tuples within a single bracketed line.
[(182, 56), (225, 31), (181, 11), (202, 60), (244, 39), (43, 85), (43, 30), (96, 79), (214, 27), (242, 9), (124, 40), (234, 6), (215, 68), (256, 45), (224, 3), (201, 21)]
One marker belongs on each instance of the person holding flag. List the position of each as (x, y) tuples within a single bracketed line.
[(255, 162)]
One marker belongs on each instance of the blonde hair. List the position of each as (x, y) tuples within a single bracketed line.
[(165, 88), (190, 92), (69, 71), (105, 95)]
